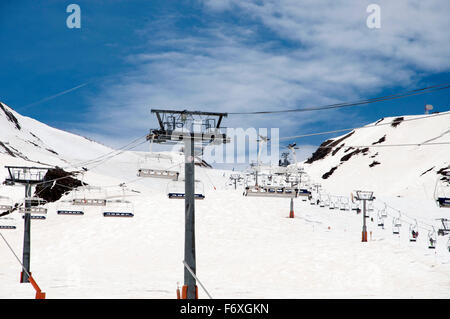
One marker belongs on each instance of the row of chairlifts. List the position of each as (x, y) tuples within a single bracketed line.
[(413, 229), (327, 200), (92, 196)]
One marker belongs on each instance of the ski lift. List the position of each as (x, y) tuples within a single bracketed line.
[(89, 196), (333, 203), (324, 200), (120, 208), (445, 227), (442, 191), (344, 203), (396, 224), (6, 223), (432, 239), (70, 212), (413, 232), (117, 214), (39, 217), (36, 206), (271, 191), (175, 190), (158, 173), (380, 219), (64, 208), (6, 204)]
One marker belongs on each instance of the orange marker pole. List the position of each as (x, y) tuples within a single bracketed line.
[(39, 293)]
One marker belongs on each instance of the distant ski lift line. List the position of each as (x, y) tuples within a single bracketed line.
[(429, 89), (362, 127)]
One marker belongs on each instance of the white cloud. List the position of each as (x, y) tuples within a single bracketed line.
[(331, 56)]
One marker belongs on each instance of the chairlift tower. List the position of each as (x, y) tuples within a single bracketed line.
[(27, 176), (364, 196), (261, 140), (190, 127)]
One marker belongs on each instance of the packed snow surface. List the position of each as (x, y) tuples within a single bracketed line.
[(246, 246)]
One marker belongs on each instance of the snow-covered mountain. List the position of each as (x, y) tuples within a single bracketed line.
[(364, 159), (246, 247)]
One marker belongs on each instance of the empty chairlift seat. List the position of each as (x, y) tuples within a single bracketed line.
[(39, 217), (6, 204), (175, 190), (271, 191), (396, 224), (70, 212), (6, 223), (117, 214), (158, 173), (89, 196)]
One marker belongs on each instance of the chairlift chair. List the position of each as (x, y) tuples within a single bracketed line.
[(158, 173), (344, 203), (89, 196), (119, 208), (36, 206), (396, 224), (175, 190), (65, 207), (432, 238), (445, 227), (6, 204), (7, 223), (333, 203), (380, 219), (38, 217), (442, 191), (413, 232)]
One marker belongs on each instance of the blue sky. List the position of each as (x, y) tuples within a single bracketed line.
[(228, 55)]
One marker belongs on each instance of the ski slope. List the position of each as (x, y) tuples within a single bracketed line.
[(405, 170), (246, 247)]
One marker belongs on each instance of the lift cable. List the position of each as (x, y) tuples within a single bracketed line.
[(424, 90), (363, 127)]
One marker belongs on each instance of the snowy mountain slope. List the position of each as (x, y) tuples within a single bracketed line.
[(371, 164), (246, 247)]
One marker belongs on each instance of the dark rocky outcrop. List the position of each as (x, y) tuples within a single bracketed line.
[(328, 174), (51, 191), (396, 122), (10, 116), (325, 148)]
